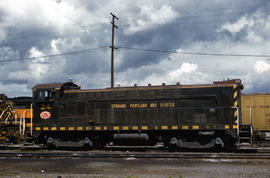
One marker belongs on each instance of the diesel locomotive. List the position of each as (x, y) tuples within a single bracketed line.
[(179, 116), (15, 118)]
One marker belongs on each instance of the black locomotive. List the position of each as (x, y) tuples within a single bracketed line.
[(179, 116)]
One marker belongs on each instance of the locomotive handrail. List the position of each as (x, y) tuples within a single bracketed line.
[(31, 120), (6, 120), (250, 117), (24, 121), (183, 108), (2, 113)]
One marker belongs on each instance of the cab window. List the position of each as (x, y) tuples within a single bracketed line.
[(45, 95)]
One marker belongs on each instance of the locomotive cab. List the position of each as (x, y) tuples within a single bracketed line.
[(45, 99)]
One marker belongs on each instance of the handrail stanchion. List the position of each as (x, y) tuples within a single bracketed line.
[(24, 122), (31, 127), (3, 113), (238, 129), (250, 117), (20, 128)]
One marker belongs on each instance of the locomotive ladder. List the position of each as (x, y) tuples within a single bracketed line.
[(246, 132)]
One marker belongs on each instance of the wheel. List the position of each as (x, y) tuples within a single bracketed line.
[(49, 144), (88, 144)]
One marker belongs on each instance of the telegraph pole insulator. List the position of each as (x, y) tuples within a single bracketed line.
[(112, 47)]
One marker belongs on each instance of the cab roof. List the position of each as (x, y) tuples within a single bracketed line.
[(56, 86)]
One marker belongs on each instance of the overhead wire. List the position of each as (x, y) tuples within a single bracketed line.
[(137, 49), (194, 53), (55, 55)]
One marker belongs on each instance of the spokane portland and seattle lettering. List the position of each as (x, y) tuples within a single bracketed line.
[(143, 105)]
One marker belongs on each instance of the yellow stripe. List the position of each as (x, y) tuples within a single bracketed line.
[(37, 128), (227, 127), (28, 124), (79, 128), (71, 128), (62, 128), (53, 128), (164, 127), (207, 126), (144, 128), (195, 127), (235, 103), (115, 128), (235, 121), (235, 94), (97, 128), (234, 126), (156, 127), (125, 127), (105, 127), (3, 138), (185, 127), (174, 127), (87, 128), (45, 128), (135, 127), (235, 113)]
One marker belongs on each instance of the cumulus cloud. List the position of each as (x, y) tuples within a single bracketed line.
[(149, 18), (261, 67), (35, 28), (238, 25)]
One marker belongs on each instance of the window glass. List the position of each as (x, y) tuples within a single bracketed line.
[(41, 95), (46, 94)]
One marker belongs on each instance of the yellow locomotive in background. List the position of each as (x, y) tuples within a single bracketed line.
[(15, 118), (256, 112)]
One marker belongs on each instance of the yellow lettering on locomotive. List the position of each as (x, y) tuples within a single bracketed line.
[(42, 107), (167, 105), (45, 107), (118, 106), (153, 105), (48, 107), (140, 105)]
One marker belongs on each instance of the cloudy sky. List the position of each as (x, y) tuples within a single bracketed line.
[(35, 28)]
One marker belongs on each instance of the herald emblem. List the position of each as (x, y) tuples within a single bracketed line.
[(45, 115)]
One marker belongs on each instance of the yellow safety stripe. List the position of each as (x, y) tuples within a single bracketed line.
[(100, 128)]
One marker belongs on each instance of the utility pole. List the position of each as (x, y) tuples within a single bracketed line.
[(112, 53)]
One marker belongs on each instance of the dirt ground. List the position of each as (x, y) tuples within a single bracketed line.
[(133, 168)]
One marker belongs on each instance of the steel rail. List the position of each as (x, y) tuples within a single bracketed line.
[(156, 155)]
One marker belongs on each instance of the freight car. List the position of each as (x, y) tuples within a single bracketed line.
[(256, 113), (180, 116)]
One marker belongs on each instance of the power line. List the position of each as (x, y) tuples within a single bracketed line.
[(55, 55), (195, 53), (137, 49)]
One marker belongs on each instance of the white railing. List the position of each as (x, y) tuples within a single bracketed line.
[(250, 117), (22, 121), (2, 113)]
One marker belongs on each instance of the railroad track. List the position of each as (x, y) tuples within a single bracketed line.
[(116, 154)]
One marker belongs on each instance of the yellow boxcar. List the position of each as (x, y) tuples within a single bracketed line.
[(260, 111)]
